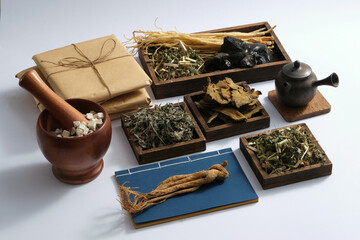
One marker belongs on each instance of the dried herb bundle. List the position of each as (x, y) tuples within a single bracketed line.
[(160, 126), (197, 41), (175, 62), (285, 149), (229, 101), (175, 185)]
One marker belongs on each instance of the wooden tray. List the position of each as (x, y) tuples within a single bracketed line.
[(155, 154), (217, 129), (258, 73), (275, 180)]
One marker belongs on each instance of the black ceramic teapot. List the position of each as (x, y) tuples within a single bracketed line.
[(296, 84)]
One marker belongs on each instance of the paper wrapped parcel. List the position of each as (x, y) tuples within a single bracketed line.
[(115, 107), (98, 70)]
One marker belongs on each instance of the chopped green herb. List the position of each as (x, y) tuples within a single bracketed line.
[(285, 149), (175, 62), (160, 126)]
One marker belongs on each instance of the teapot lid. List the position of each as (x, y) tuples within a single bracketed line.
[(297, 70)]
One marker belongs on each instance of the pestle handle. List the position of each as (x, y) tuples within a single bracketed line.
[(62, 111)]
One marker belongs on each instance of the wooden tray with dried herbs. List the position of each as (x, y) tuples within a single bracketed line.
[(285, 155), (225, 109), (162, 132), (175, 61)]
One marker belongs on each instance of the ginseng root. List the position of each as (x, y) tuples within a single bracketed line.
[(175, 185)]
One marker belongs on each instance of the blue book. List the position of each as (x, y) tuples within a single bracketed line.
[(234, 191)]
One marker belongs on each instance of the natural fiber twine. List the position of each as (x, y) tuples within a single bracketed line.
[(71, 63)]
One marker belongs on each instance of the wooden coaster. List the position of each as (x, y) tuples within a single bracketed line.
[(317, 106)]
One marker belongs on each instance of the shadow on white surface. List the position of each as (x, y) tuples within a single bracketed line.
[(28, 190), (299, 186), (276, 120), (295, 187), (110, 222), (19, 125), (120, 155)]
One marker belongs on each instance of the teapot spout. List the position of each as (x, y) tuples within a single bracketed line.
[(332, 80)]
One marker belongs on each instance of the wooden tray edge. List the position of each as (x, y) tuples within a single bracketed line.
[(160, 153), (267, 181), (158, 87), (212, 133)]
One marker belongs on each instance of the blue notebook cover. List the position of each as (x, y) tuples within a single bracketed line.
[(235, 190)]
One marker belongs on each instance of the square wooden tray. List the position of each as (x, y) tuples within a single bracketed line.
[(155, 154), (275, 180), (185, 85), (217, 129)]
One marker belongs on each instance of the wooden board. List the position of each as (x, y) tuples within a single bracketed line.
[(218, 129), (275, 180), (234, 191), (185, 85), (317, 106), (155, 154)]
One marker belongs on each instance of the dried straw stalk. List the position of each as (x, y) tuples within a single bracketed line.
[(197, 41)]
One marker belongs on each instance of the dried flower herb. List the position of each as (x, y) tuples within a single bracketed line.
[(175, 62), (160, 126), (229, 101), (285, 149)]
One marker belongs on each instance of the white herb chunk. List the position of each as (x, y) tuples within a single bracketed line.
[(58, 131), (72, 131), (92, 125), (100, 115), (82, 128), (65, 133), (98, 121), (76, 123), (89, 116), (79, 132)]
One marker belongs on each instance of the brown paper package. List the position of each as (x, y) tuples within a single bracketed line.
[(74, 72), (115, 107)]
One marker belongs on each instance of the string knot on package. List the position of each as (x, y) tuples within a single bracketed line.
[(71, 63), (175, 185)]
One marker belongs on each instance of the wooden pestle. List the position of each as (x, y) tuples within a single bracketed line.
[(62, 111)]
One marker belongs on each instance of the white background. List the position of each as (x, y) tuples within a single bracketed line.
[(35, 205)]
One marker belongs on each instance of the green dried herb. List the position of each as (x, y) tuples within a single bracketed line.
[(285, 149), (175, 62), (160, 126)]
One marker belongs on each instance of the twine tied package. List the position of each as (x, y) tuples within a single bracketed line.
[(101, 70)]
